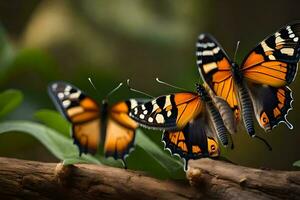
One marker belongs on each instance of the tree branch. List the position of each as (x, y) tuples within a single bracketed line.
[(21, 179), (228, 181), (36, 180)]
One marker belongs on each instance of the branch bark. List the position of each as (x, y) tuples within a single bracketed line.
[(223, 180), (209, 179), (21, 179)]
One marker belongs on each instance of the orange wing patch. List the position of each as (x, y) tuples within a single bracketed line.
[(87, 110), (226, 90), (188, 106), (272, 73), (119, 139), (253, 59), (119, 113), (177, 139), (87, 136), (213, 147)]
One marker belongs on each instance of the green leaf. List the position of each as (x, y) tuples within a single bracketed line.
[(9, 100), (54, 120), (58, 145), (297, 163), (172, 165)]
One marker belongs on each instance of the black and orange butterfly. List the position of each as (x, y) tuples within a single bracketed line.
[(94, 125), (191, 122), (259, 85)]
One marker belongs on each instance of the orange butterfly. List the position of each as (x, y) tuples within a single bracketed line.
[(191, 122), (94, 125), (259, 85)]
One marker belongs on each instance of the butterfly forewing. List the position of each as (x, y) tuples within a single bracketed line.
[(82, 111), (170, 112), (215, 69), (274, 60)]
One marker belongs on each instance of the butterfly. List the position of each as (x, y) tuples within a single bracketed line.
[(259, 85), (95, 125), (191, 122)]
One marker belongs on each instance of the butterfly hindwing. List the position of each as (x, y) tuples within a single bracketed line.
[(169, 112), (274, 60), (194, 141), (82, 111), (215, 69), (271, 105), (120, 132)]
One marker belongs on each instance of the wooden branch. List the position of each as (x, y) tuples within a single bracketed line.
[(21, 179), (223, 180)]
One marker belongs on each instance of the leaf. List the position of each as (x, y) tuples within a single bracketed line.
[(297, 163), (171, 165), (157, 153), (9, 100), (54, 120), (58, 145)]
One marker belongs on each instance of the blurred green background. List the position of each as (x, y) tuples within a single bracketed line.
[(110, 41)]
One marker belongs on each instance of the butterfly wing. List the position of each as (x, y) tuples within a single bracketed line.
[(82, 111), (196, 140), (271, 105), (215, 69), (274, 61), (170, 112), (120, 133)]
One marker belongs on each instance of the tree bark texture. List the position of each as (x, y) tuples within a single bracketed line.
[(209, 179)]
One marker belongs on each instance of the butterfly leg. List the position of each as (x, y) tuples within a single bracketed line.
[(264, 141)]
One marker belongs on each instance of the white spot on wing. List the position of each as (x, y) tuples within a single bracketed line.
[(159, 118), (133, 103), (296, 39), (199, 62), (54, 86), (168, 101), (75, 95), (142, 116), (145, 112), (135, 111), (66, 103), (266, 47), (169, 113), (210, 66), (272, 57), (288, 51), (150, 119), (60, 95), (201, 37), (279, 40), (68, 88), (292, 35)]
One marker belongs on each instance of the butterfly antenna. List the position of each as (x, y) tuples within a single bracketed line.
[(236, 50), (114, 90), (137, 91), (97, 91), (170, 85), (264, 141)]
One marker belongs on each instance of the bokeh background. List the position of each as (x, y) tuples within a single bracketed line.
[(111, 41)]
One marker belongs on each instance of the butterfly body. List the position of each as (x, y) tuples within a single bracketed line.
[(269, 68), (94, 125)]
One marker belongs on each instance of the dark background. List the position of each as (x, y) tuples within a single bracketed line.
[(111, 41)]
